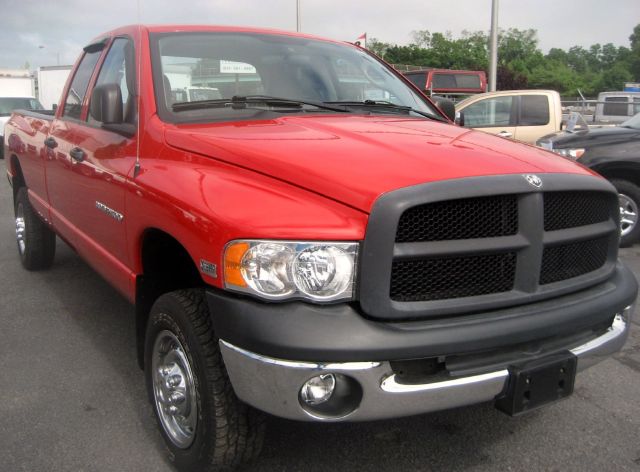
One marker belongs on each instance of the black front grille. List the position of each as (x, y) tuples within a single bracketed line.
[(572, 260), (456, 248), (439, 279), (571, 209), (469, 218)]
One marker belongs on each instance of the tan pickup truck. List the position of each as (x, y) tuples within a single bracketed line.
[(523, 115)]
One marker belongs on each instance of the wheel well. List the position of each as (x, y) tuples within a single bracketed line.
[(17, 180), (166, 266), (630, 173)]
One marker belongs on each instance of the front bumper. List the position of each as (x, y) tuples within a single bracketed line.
[(273, 385)]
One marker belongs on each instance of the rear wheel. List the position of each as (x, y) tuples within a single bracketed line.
[(204, 425), (36, 241), (629, 198)]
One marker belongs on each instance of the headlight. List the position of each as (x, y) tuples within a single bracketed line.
[(572, 154), (279, 270)]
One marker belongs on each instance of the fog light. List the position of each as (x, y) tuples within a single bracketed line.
[(318, 389)]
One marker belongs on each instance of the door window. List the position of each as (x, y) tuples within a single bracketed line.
[(118, 68), (78, 89), (419, 80), (534, 110), (495, 111), (615, 106)]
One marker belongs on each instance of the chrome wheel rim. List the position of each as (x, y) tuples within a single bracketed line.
[(628, 214), (174, 390), (20, 229)]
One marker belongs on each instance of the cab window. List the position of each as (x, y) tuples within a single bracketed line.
[(75, 96), (615, 106), (495, 111), (534, 110)]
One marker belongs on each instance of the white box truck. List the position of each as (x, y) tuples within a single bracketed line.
[(51, 81), (16, 83)]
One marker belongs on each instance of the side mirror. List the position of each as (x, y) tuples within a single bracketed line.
[(55, 107), (459, 118), (106, 104), (447, 107)]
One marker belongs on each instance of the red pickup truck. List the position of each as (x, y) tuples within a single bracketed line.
[(321, 243)]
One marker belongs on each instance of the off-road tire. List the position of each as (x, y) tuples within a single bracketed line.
[(228, 432), (37, 243), (632, 192)]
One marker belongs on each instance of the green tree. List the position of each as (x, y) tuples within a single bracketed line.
[(634, 59), (615, 77), (521, 64)]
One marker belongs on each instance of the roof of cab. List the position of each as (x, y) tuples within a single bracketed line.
[(205, 28)]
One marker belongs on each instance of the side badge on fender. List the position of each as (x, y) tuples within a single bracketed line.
[(208, 268)]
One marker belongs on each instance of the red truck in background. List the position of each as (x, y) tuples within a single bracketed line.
[(448, 81), (321, 243)]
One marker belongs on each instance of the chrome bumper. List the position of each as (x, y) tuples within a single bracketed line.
[(273, 385)]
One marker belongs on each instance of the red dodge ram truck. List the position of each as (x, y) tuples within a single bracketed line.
[(321, 243)]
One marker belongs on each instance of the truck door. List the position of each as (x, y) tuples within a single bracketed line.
[(495, 115), (60, 185), (90, 184), (104, 156)]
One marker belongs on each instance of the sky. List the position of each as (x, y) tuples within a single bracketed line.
[(41, 32)]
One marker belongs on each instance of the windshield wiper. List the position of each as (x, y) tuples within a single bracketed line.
[(239, 102), (387, 105)]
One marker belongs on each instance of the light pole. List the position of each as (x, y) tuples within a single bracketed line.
[(57, 54), (493, 48), (298, 16)]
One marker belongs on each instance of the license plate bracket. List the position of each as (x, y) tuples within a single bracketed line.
[(539, 382)]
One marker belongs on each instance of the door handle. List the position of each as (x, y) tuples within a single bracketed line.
[(77, 154), (51, 143), (505, 134)]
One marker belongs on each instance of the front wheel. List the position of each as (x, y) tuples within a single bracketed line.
[(204, 425), (629, 198)]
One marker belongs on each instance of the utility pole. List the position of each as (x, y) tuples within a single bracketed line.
[(493, 47), (298, 16)]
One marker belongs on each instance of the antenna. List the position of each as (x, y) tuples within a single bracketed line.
[(136, 168)]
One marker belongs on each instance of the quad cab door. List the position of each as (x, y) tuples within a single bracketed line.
[(89, 183)]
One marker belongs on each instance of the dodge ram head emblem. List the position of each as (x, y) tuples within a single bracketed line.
[(534, 180)]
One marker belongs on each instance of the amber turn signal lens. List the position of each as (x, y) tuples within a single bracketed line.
[(233, 262)]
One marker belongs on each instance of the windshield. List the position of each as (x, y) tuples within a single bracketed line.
[(272, 65), (633, 122), (8, 104)]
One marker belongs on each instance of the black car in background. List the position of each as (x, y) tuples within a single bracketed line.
[(613, 152)]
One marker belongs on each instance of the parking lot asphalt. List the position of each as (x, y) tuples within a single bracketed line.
[(72, 397)]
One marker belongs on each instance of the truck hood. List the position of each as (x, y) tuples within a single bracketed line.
[(354, 159)]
